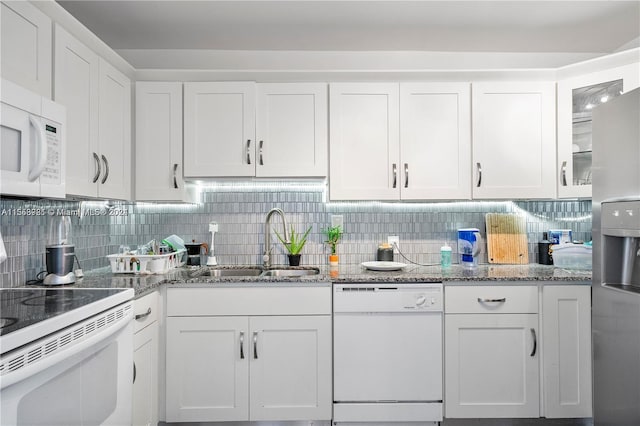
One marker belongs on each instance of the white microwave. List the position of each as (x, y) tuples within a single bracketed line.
[(32, 144)]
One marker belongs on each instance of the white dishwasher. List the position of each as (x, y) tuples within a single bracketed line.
[(387, 342)]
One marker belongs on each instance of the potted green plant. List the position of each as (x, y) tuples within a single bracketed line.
[(294, 245), (333, 233)]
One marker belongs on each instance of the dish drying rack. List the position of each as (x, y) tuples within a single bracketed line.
[(146, 263)]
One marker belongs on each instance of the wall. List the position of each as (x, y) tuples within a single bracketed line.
[(240, 209)]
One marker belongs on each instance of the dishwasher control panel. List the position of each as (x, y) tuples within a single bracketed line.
[(396, 297)]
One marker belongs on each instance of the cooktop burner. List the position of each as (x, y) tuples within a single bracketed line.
[(21, 308)]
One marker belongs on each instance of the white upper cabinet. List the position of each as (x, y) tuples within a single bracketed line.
[(435, 141), (408, 141), (291, 130), (364, 141), (513, 140), (98, 102), (114, 133), (77, 71), (245, 129), (219, 129), (159, 142), (577, 96), (26, 46)]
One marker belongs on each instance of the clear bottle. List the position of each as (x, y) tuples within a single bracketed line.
[(445, 256)]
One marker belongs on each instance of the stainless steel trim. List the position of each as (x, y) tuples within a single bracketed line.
[(260, 151), (106, 169), (175, 178), (255, 345), (98, 168), (479, 167), (563, 173), (535, 342), (248, 151), (480, 300), (141, 316), (394, 168), (242, 345), (406, 175)]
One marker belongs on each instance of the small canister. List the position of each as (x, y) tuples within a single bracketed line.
[(385, 253)]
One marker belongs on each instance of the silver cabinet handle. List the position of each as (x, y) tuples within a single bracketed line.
[(248, 151), (175, 177), (242, 345), (260, 151), (479, 167), (106, 169), (480, 300), (255, 345), (135, 373), (535, 342), (563, 173), (394, 168), (141, 316), (406, 175), (98, 168)]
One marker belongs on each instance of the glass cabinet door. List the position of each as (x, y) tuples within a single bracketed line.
[(577, 97)]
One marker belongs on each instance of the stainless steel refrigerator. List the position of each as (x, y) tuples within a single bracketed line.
[(616, 261)]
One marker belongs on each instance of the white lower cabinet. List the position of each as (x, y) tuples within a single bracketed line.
[(566, 322), (145, 361), (275, 365), (492, 366), (491, 352), (507, 357)]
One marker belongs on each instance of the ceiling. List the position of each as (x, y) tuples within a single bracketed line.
[(594, 27)]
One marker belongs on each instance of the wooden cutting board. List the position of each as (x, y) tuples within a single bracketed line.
[(507, 238)]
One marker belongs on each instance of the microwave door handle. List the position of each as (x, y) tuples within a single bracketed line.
[(41, 146)]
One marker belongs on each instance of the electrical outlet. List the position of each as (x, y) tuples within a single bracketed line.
[(394, 240), (337, 220)]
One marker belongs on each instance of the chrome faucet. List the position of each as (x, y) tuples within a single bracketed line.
[(266, 257)]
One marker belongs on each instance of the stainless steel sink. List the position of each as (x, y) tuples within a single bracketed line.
[(240, 272), (254, 272), (290, 272)]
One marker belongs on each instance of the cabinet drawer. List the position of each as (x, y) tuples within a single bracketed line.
[(145, 311), (249, 301), (491, 300)]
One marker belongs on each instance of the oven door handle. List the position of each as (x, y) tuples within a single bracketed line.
[(97, 341)]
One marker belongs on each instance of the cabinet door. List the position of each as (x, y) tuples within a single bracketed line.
[(26, 46), (114, 133), (435, 141), (491, 367), (514, 140), (566, 321), (290, 368), (76, 87), (159, 142), (577, 97), (364, 147), (207, 369), (291, 130), (219, 129), (145, 382)]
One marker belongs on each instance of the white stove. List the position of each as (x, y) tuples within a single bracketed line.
[(66, 356)]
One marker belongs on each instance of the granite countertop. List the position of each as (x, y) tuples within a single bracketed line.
[(456, 275)]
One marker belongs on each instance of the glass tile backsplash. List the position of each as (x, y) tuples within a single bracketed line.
[(100, 228)]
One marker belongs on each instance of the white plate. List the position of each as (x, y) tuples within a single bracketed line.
[(383, 266)]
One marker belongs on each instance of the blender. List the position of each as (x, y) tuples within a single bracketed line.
[(60, 253)]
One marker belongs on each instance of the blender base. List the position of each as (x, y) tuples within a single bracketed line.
[(54, 279)]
